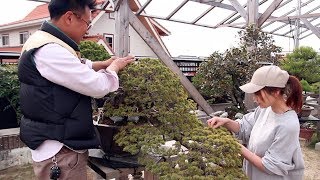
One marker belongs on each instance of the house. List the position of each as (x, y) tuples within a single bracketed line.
[(13, 35)]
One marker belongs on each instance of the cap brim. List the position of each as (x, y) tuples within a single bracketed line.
[(250, 88)]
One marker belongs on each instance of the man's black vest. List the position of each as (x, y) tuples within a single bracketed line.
[(51, 111)]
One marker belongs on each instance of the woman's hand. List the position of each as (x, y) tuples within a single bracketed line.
[(216, 122)]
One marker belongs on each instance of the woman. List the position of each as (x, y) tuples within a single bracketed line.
[(271, 132)]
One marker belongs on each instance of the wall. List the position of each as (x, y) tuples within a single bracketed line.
[(12, 151), (14, 38), (137, 45)]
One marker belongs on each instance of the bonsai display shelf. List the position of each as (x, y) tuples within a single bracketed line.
[(114, 167), (311, 118)]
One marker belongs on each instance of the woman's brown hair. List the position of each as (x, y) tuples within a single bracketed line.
[(294, 94), (293, 91)]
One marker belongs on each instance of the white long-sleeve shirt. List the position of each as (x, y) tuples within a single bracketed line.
[(274, 138), (58, 65)]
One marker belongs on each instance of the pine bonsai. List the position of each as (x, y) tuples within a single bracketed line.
[(154, 108), (221, 76)]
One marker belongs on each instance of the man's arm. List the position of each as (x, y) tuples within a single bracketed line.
[(59, 66)]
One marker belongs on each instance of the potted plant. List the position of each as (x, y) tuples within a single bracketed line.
[(223, 73), (306, 130), (151, 109)]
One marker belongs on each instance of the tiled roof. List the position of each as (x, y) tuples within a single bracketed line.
[(96, 38), (39, 12)]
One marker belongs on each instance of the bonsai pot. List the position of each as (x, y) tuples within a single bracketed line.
[(107, 142), (305, 111), (306, 133)]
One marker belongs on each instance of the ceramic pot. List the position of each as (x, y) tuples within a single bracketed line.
[(306, 133)]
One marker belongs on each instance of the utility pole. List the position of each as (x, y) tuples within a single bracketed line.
[(297, 25)]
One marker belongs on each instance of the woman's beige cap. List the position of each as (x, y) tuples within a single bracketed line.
[(271, 76)]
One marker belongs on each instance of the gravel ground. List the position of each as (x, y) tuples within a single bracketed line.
[(311, 158), (312, 163)]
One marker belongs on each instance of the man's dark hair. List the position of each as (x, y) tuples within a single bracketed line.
[(59, 7)]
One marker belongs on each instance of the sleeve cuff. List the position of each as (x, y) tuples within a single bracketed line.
[(89, 63)]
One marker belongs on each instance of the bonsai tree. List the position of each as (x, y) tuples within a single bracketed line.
[(93, 51), (154, 108), (304, 63), (221, 76)]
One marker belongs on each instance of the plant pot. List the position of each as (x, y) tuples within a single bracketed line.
[(305, 111), (306, 133), (220, 106), (108, 144)]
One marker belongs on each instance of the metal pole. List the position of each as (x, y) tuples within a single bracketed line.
[(297, 25)]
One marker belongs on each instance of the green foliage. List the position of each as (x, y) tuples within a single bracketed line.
[(316, 87), (93, 51), (152, 92), (304, 63), (221, 76), (305, 86), (9, 87)]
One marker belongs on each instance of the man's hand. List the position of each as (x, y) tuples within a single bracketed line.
[(98, 65), (110, 60), (119, 63)]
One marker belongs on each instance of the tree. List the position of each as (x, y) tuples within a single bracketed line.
[(93, 51), (154, 108), (304, 63), (221, 76)]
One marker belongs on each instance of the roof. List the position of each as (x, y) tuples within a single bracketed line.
[(188, 58), (39, 12), (9, 55), (42, 12), (278, 17), (98, 39)]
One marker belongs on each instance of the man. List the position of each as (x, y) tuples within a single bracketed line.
[(56, 88)]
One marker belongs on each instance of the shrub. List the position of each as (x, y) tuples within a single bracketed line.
[(93, 51), (9, 87)]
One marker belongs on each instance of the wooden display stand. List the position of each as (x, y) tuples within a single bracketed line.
[(105, 171)]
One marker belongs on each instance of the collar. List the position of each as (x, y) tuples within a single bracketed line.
[(55, 31)]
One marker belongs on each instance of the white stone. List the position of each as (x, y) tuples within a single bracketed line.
[(317, 146)]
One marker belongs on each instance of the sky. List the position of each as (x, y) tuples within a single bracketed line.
[(183, 40)]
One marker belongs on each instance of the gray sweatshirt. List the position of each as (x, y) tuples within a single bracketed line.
[(274, 138)]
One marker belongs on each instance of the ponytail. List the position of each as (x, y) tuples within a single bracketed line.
[(294, 94)]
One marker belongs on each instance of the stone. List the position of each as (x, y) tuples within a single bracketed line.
[(317, 146)]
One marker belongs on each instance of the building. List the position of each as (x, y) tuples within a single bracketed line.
[(188, 64), (13, 35)]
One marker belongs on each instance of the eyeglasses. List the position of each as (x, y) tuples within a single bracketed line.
[(79, 17)]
